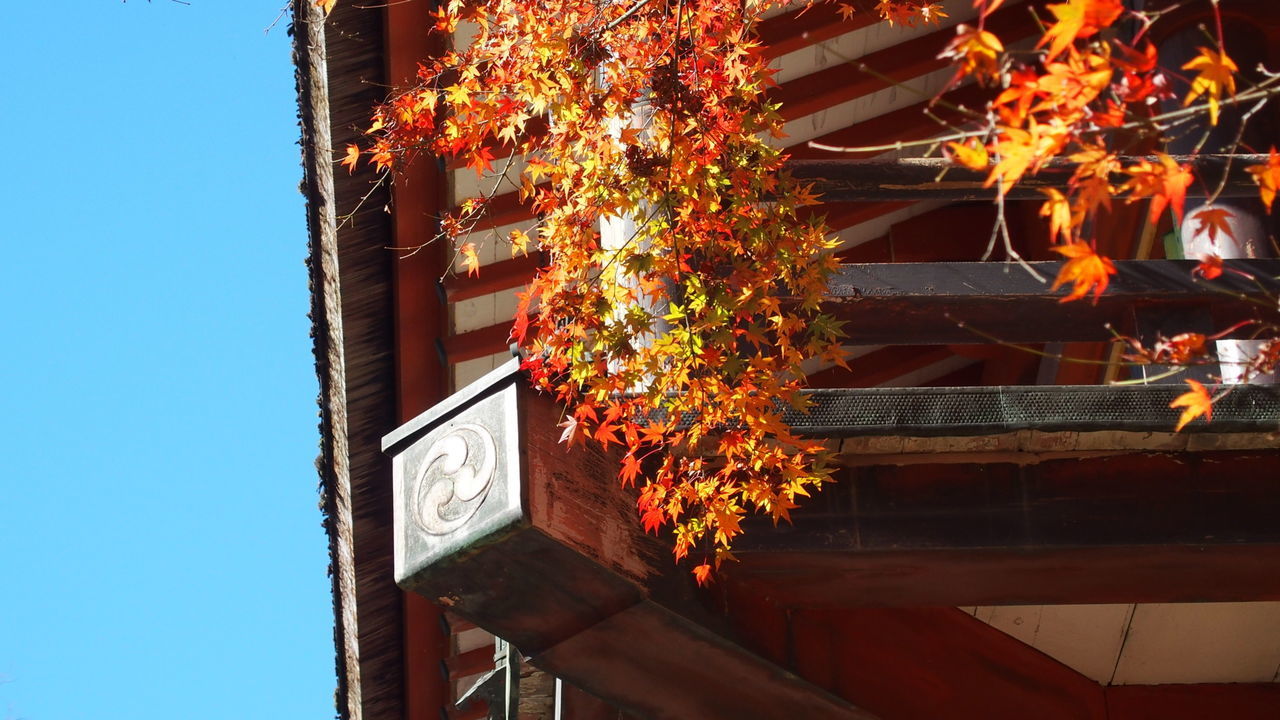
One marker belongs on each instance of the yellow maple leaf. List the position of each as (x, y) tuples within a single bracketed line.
[(1085, 269), (972, 154), (519, 243), (1214, 80), (326, 5), (1267, 175), (977, 52), (1058, 210), (1078, 19), (1196, 402)]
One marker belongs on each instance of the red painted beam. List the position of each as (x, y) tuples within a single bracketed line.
[(478, 343), (492, 278), (1242, 701), (900, 63), (930, 663), (420, 318), (879, 366), (811, 25), (943, 664), (909, 123), (506, 208)]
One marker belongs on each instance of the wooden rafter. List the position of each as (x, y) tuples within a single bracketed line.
[(975, 303), (1143, 527), (839, 180)]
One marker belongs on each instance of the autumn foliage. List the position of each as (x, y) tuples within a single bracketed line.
[(681, 299)]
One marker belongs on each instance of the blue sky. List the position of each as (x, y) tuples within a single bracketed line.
[(161, 553)]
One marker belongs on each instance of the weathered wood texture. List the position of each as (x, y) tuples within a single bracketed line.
[(341, 74), (946, 303), (1131, 528), (837, 180), (553, 560)]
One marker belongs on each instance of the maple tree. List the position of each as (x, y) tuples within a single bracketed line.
[(683, 290)]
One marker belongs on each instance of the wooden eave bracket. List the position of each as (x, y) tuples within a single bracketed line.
[(495, 520)]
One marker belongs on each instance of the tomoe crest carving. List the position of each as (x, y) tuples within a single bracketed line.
[(454, 478)]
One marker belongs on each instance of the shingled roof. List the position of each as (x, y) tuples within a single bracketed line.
[(340, 76)]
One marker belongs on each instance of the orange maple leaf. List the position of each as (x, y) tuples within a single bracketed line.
[(1267, 175), (702, 573), (327, 5), (1214, 80), (986, 7), (1214, 220), (1085, 269), (351, 158), (1078, 19), (1017, 151), (1196, 402), (1166, 184)]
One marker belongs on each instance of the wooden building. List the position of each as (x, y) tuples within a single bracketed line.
[(1009, 538)]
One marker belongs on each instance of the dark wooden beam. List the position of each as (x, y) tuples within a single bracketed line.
[(840, 180), (976, 303), (958, 412), (956, 303), (1238, 701), (1174, 527), (541, 547)]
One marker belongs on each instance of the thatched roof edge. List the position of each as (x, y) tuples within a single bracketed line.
[(340, 72)]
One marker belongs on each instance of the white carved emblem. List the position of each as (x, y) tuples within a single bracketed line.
[(454, 478)]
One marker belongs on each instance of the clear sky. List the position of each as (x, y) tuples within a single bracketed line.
[(161, 554)]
